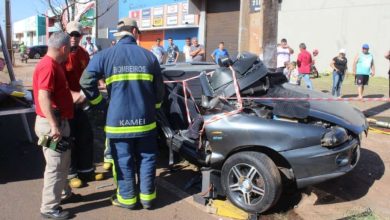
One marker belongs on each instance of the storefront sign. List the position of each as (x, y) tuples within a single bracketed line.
[(254, 6), (145, 23), (158, 21), (188, 19), (172, 9), (184, 7), (172, 20), (159, 11), (146, 13), (134, 14)]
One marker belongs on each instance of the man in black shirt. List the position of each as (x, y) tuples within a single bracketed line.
[(339, 66)]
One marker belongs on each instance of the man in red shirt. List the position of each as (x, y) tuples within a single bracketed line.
[(82, 167), (304, 63), (54, 107)]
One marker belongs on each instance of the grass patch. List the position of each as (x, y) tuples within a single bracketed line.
[(376, 86)]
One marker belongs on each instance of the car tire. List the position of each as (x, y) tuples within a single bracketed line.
[(251, 181), (37, 56)]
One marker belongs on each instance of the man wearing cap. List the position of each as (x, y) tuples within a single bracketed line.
[(363, 67), (135, 90), (82, 168)]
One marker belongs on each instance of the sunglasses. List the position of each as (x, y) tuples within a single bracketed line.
[(75, 34)]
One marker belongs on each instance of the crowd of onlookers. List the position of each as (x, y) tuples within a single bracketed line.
[(192, 50), (304, 67)]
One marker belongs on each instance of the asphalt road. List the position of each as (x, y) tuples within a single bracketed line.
[(21, 172)]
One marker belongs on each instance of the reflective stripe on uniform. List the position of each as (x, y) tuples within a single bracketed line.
[(131, 201), (130, 129), (97, 100), (129, 76), (147, 197), (158, 105)]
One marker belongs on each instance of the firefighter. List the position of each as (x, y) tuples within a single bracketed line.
[(135, 89), (82, 167)]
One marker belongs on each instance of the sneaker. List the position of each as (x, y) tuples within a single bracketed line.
[(91, 176), (56, 214), (115, 202), (75, 182), (107, 165)]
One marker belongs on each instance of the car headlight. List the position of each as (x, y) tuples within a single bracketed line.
[(334, 136)]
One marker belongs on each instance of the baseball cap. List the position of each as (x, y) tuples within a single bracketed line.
[(74, 26), (365, 46), (342, 51), (125, 23)]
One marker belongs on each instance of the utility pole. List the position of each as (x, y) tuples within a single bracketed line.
[(8, 31), (270, 31)]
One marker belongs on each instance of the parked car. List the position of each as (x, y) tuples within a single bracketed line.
[(36, 52), (250, 155)]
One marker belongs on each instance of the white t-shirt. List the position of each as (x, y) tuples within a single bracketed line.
[(187, 51), (283, 55)]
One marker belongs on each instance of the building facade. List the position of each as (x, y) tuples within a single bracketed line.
[(162, 19), (31, 30), (331, 25)]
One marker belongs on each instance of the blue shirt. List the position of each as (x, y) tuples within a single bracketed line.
[(363, 66), (217, 53)]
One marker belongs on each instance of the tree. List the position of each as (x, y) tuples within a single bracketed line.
[(64, 11)]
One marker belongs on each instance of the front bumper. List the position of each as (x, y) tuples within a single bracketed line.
[(316, 164)]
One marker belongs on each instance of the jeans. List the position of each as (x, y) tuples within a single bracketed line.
[(134, 156), (306, 78), (338, 78)]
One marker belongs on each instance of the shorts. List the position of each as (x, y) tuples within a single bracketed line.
[(361, 80)]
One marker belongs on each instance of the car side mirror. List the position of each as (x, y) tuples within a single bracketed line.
[(225, 62)]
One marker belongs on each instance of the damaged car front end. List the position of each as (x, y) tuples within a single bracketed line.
[(287, 134)]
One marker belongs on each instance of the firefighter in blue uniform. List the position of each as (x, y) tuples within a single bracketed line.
[(135, 90)]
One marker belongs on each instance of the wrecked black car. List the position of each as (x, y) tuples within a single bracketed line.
[(249, 149)]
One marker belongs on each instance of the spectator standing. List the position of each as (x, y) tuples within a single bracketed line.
[(197, 51), (339, 66), (172, 52), (158, 51), (54, 107), (363, 67), (187, 50), (220, 52), (113, 42), (283, 54), (82, 167), (304, 63), (90, 47)]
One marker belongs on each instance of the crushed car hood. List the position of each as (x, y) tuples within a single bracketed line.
[(337, 112)]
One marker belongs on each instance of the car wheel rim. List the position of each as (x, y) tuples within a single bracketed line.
[(246, 184)]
